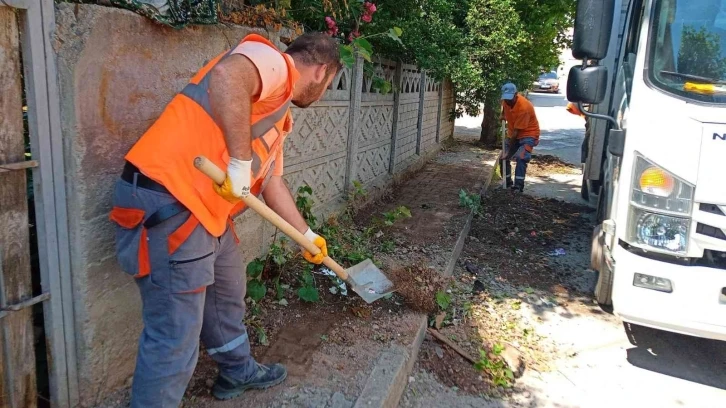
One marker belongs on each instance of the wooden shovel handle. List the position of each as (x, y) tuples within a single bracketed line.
[(217, 175)]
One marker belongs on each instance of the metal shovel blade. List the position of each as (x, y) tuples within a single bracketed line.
[(368, 281)]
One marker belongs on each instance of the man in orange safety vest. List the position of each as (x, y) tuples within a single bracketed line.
[(174, 232)]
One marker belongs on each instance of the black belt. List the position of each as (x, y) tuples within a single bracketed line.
[(141, 181), (163, 213)]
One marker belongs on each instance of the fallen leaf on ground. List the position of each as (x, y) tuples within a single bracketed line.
[(439, 320)]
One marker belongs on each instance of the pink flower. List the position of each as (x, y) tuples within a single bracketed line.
[(367, 18), (332, 26), (353, 35), (371, 7)]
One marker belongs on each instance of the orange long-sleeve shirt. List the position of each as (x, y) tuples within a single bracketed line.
[(521, 117)]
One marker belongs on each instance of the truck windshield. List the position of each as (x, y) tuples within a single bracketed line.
[(688, 49)]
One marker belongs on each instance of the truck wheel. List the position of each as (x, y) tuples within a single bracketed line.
[(596, 253), (604, 287)]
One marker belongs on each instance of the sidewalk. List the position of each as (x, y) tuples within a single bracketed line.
[(356, 355)]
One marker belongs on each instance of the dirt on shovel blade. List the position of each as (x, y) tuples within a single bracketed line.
[(418, 286)]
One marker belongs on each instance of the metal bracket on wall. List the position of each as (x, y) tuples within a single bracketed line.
[(29, 164), (6, 309)]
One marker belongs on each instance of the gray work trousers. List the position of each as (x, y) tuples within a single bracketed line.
[(195, 289)]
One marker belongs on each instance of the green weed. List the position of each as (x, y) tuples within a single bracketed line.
[(495, 366)]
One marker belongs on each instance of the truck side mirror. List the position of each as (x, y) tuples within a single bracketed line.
[(593, 24), (587, 85)]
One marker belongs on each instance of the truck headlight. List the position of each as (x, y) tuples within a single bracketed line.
[(656, 188), (660, 209), (659, 232)]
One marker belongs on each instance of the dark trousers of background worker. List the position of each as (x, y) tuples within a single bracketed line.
[(195, 288), (522, 153)]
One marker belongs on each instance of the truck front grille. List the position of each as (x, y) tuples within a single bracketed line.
[(711, 208), (710, 231)]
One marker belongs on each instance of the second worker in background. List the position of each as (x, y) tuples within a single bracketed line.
[(522, 135)]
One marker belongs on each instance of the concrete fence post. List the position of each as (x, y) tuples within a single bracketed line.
[(397, 77), (438, 114), (421, 96), (356, 93)]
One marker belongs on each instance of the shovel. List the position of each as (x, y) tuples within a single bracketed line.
[(364, 278), (502, 167)]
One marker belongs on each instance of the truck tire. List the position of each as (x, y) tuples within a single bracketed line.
[(604, 287), (596, 248)]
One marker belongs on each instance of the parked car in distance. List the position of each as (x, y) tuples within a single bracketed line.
[(547, 82)]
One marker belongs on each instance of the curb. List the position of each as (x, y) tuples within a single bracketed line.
[(389, 377), (459, 246)]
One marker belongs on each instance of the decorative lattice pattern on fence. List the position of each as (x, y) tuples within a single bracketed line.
[(315, 152)]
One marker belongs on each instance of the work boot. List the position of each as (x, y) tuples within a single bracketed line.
[(266, 376), (517, 188), (510, 183)]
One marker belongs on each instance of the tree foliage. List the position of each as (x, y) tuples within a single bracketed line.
[(478, 44), (700, 54), (509, 40)]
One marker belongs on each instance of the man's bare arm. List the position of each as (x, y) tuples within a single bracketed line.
[(233, 86), (278, 198)]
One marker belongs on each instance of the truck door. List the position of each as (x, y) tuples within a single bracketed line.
[(621, 98)]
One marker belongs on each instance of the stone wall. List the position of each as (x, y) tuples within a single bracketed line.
[(117, 71)]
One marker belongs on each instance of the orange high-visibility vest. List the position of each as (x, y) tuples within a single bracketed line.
[(573, 109), (186, 129)]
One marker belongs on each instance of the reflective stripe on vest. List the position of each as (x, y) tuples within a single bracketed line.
[(199, 93)]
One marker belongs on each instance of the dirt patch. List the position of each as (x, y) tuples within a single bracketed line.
[(418, 285), (333, 342), (516, 264), (546, 165), (436, 218), (297, 343), (451, 369), (522, 237)]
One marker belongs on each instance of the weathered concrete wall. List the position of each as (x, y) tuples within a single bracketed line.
[(116, 72)]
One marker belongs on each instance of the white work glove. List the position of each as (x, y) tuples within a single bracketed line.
[(240, 174), (238, 182)]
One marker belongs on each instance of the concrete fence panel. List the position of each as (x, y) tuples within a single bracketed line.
[(430, 115), (375, 131), (116, 72), (406, 137)]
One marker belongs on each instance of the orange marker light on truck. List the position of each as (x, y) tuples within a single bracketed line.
[(657, 182)]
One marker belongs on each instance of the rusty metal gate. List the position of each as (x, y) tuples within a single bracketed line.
[(29, 109)]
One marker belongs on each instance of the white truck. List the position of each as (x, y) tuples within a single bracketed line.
[(654, 76)]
